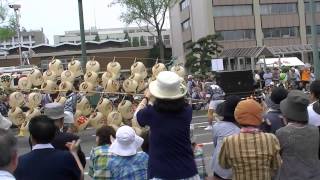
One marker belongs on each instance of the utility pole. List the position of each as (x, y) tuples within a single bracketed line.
[(16, 8), (82, 34), (315, 48)]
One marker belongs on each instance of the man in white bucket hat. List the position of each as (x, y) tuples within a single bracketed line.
[(125, 162)]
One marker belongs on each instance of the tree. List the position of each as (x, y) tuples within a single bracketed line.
[(149, 12), (202, 51), (97, 38), (154, 53), (7, 22)]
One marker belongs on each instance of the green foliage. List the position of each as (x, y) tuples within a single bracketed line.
[(7, 22), (135, 41), (97, 38), (154, 53), (201, 54)]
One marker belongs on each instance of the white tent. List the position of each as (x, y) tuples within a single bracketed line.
[(285, 61)]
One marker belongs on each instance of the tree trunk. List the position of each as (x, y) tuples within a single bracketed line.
[(161, 45)]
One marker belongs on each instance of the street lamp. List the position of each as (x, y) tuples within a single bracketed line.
[(16, 8)]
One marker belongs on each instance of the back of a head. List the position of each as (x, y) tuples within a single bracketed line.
[(104, 134), (278, 94), (8, 146), (315, 89), (42, 129)]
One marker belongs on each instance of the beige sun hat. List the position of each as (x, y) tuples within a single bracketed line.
[(5, 80), (93, 66), (16, 99), (56, 66), (105, 106), (34, 100), (87, 88), (36, 77), (49, 87), (60, 99), (179, 70), (31, 113), (75, 67), (114, 118), (91, 77), (65, 86), (105, 78), (167, 86), (50, 75), (24, 84), (130, 85), (83, 105), (67, 75), (114, 67), (97, 120), (157, 68), (139, 68), (16, 116), (137, 77), (112, 86), (126, 110)]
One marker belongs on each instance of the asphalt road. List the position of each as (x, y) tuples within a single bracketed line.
[(88, 141)]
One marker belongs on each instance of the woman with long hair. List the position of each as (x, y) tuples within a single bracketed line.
[(169, 119)]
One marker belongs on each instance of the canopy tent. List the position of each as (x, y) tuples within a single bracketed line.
[(285, 61)]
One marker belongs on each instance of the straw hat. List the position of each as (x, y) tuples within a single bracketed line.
[(56, 66), (179, 70), (139, 68), (105, 78), (142, 85), (112, 86), (114, 118), (35, 77), (60, 99), (16, 116), (114, 67), (97, 120), (126, 110), (157, 68), (105, 106), (49, 87), (87, 88), (137, 77), (5, 80), (24, 129), (130, 85), (91, 77), (167, 86), (67, 75), (24, 84), (31, 113), (65, 86), (81, 123), (16, 99), (83, 105), (75, 67), (34, 100), (93, 66), (50, 75)]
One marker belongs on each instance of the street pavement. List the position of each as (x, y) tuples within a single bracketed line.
[(88, 141)]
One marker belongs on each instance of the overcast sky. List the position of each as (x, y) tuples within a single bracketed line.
[(57, 16)]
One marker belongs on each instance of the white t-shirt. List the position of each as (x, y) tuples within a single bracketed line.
[(314, 118)]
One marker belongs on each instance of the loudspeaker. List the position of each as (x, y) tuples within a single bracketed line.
[(236, 82)]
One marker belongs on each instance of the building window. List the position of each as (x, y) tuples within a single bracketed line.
[(151, 41), (185, 25), (308, 28), (240, 10), (25, 38), (269, 9), (307, 7), (187, 46), (166, 39), (237, 35), (184, 4), (281, 32)]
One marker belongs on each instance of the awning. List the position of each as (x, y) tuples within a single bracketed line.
[(290, 49), (254, 52), (285, 61)]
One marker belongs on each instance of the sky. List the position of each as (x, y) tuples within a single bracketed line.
[(57, 16)]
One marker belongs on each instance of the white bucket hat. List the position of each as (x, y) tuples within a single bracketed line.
[(130, 85), (67, 75), (16, 116), (24, 84), (156, 69), (35, 77), (16, 99), (167, 86), (114, 118), (179, 70), (34, 100), (126, 143), (75, 67), (114, 67), (126, 110), (56, 66), (93, 66), (105, 106)]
